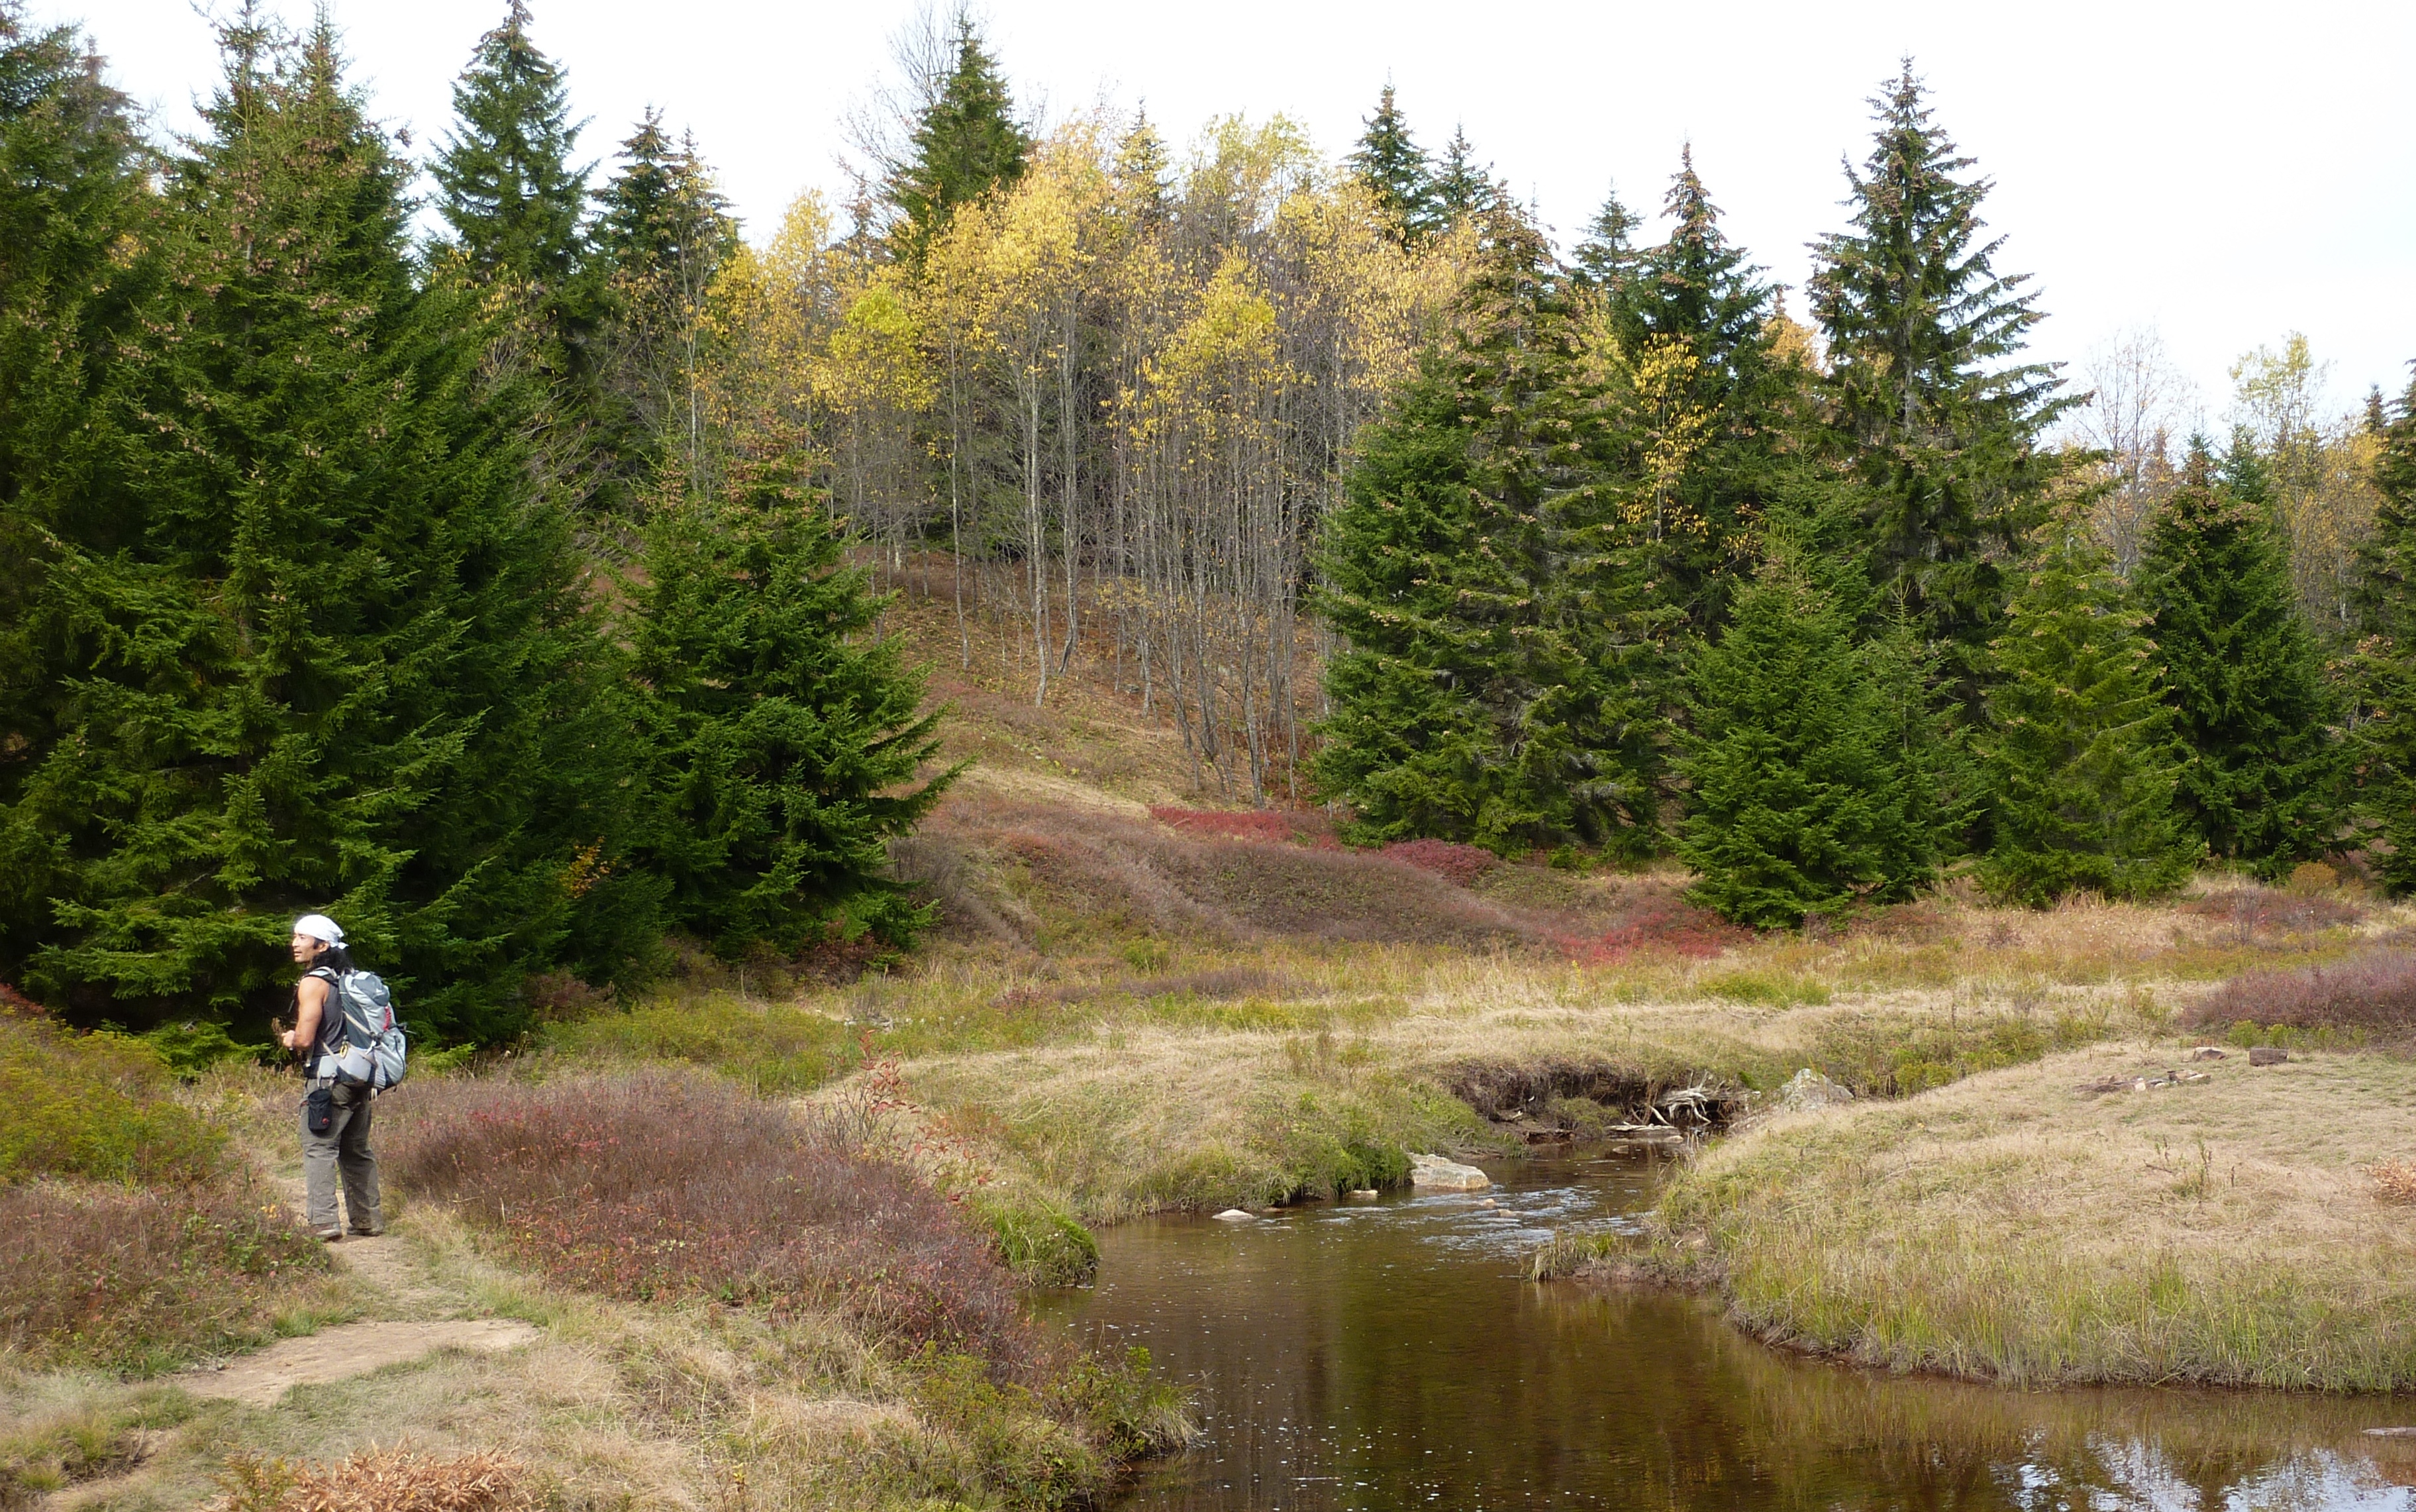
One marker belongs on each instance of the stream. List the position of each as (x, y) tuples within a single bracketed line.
[(1389, 1353)]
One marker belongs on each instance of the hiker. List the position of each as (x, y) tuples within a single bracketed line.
[(335, 1113)]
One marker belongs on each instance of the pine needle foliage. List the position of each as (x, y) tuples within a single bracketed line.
[(505, 184), (1808, 782), (1506, 671), (2384, 668), (1938, 420), (2243, 678), (966, 142), (1397, 171), (2077, 753), (71, 198), (326, 653), (793, 736)]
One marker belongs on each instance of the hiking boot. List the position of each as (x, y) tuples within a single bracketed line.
[(367, 1233), (331, 1235)]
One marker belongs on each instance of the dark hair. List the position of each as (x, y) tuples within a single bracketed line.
[(336, 958)]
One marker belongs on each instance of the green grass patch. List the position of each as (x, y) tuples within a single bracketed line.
[(772, 1048)]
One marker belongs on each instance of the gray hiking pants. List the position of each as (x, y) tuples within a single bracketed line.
[(346, 1143)]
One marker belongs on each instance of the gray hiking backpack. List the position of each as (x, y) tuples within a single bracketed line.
[(374, 1052)]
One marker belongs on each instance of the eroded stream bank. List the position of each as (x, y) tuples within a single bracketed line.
[(1389, 1353)]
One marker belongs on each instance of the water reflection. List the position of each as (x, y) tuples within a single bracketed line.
[(1388, 1356)]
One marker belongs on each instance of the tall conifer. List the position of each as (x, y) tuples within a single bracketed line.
[(73, 206), (965, 142), (1462, 185), (1696, 313), (2262, 782), (1396, 170), (2384, 668), (1604, 253), (663, 230), (2079, 753), (331, 655), (1505, 671), (506, 186), (1941, 422), (792, 738)]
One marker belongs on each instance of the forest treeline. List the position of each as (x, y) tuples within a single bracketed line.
[(514, 587)]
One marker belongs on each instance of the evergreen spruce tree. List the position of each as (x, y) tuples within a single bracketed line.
[(1505, 668), (789, 733), (1697, 308), (1939, 422), (1462, 187), (1395, 169), (1145, 174), (1604, 256), (327, 654), (966, 142), (662, 231), (660, 216), (1808, 786), (506, 186), (2384, 668), (2243, 678), (2077, 754), (72, 203)]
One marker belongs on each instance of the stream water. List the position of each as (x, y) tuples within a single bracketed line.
[(1390, 1354)]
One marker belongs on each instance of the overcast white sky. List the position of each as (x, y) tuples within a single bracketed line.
[(2223, 172)]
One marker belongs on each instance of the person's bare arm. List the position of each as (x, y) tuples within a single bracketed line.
[(313, 996)]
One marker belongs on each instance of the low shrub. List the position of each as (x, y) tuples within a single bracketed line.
[(1654, 921), (2367, 997), (1463, 864), (2249, 912), (133, 1280), (1282, 825), (659, 1185), (98, 1107)]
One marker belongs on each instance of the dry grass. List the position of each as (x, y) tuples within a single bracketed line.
[(398, 1479), (2010, 1228), (2394, 1181), (1289, 1098)]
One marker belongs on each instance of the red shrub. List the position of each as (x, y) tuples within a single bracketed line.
[(1655, 922), (1289, 825), (2373, 992), (1462, 864), (659, 1185), (131, 1279), (2252, 911)]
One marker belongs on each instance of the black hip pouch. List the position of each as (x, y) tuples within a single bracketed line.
[(319, 1110)]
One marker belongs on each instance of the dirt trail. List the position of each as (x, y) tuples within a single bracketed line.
[(385, 1266), (353, 1349)]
